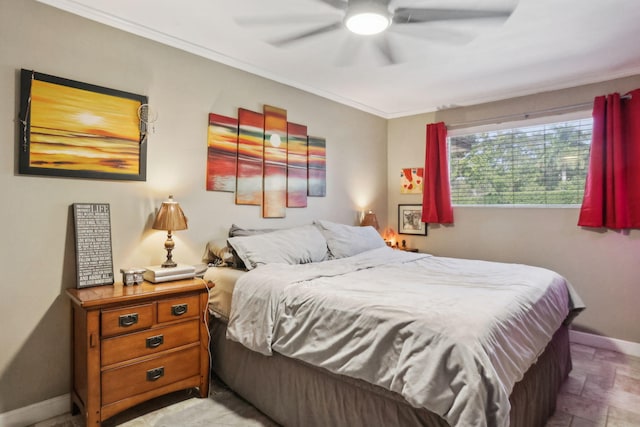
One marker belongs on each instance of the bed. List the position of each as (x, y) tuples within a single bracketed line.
[(331, 327)]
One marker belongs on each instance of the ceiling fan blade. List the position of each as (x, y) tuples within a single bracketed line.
[(434, 35), (349, 51), (382, 43), (338, 4), (411, 15), (300, 36), (286, 19)]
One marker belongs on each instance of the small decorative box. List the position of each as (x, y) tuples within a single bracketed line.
[(132, 276)]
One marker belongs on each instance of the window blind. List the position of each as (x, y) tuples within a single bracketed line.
[(533, 165)]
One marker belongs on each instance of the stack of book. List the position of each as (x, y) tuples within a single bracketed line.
[(158, 274)]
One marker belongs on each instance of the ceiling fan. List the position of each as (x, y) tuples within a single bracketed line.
[(369, 18)]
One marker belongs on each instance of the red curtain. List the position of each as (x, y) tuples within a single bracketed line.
[(612, 190), (436, 196)]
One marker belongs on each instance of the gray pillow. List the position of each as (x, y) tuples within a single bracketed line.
[(297, 245), (348, 240), (234, 231)]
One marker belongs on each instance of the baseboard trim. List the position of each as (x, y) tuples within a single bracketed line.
[(36, 412), (621, 346)]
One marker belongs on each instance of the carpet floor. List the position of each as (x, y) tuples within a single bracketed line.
[(603, 390)]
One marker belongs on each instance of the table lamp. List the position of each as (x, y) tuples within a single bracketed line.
[(170, 218), (370, 219)]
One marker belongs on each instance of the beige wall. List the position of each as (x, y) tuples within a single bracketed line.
[(36, 261), (603, 266), (35, 254)]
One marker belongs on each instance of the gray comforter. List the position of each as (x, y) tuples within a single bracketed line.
[(450, 335)]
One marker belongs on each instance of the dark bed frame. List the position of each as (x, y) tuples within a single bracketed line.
[(294, 393)]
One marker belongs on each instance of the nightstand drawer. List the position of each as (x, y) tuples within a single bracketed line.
[(178, 308), (127, 381), (126, 319), (137, 344)]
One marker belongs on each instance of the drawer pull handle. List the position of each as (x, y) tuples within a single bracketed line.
[(155, 374), (179, 309), (128, 319), (155, 341)]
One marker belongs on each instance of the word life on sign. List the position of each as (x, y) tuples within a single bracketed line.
[(94, 263)]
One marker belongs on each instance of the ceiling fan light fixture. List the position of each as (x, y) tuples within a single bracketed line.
[(367, 23), (367, 17)]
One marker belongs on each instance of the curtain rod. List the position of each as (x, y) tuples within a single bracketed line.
[(524, 116)]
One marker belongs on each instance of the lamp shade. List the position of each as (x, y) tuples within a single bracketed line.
[(370, 219), (170, 217)]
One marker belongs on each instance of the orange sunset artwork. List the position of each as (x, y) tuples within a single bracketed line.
[(266, 160), (80, 130)]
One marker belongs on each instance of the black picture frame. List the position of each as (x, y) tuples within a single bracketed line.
[(410, 220), (79, 130)]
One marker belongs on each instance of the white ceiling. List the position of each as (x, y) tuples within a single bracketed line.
[(543, 45)]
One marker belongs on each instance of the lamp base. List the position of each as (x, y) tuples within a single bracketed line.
[(169, 264), (169, 245)]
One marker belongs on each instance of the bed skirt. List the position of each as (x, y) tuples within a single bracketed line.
[(294, 393)]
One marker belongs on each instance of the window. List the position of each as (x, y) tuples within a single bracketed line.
[(534, 165)]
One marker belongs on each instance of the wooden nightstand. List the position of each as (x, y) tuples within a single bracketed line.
[(134, 343)]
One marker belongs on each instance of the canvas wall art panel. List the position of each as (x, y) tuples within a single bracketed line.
[(250, 157), (274, 201), (222, 152), (317, 159), (74, 129), (411, 180), (296, 166)]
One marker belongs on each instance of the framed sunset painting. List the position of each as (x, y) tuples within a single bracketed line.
[(74, 129)]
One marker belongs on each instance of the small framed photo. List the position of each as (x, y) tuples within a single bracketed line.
[(410, 220)]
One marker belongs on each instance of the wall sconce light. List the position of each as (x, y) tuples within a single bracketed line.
[(170, 218)]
